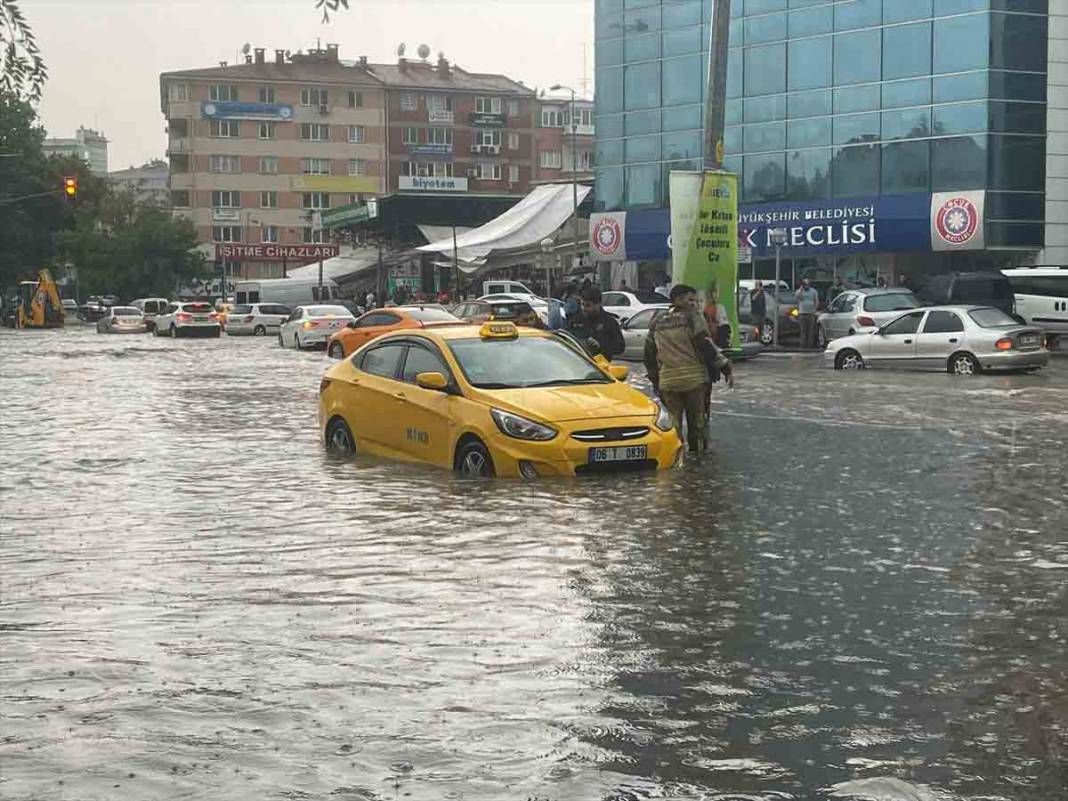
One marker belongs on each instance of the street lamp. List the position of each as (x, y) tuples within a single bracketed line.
[(778, 239), (574, 171), (547, 245)]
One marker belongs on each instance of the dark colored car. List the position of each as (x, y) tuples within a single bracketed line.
[(784, 302), (969, 289)]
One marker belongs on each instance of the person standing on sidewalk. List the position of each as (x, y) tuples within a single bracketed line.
[(678, 350), (758, 307), (808, 301)]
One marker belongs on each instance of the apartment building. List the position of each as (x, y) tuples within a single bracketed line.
[(88, 145), (559, 144), (255, 149)]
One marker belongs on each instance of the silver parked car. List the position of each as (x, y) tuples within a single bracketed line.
[(636, 329), (959, 339), (121, 320), (860, 311)]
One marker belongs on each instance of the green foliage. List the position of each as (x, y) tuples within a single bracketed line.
[(22, 71), (331, 5)]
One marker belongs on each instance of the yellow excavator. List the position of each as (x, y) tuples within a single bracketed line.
[(39, 305)]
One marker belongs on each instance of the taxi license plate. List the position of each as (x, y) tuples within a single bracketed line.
[(1029, 339), (633, 453)]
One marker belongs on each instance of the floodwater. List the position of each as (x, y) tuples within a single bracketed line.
[(862, 593)]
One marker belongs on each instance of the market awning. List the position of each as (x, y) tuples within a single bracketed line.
[(522, 227), (352, 261)]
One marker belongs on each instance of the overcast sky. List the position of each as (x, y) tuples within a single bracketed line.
[(104, 57)]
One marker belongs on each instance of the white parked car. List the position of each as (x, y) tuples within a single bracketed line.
[(958, 339), (257, 319), (625, 305), (313, 325), (860, 311), (538, 304), (121, 320), (187, 319), (150, 308)]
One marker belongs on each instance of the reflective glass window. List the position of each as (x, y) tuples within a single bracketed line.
[(857, 14), (644, 20), (609, 90), (809, 133), (681, 118), (761, 6), (856, 98), (642, 48), (1017, 86), (907, 93), (732, 139), (857, 57), (764, 177), (609, 183), (1017, 117), (811, 21), (682, 80), (856, 128), (1015, 206), (677, 43), (961, 43), (641, 85), (810, 63), (735, 64), (610, 125), (1015, 235), (970, 86), (688, 145), (808, 174), (906, 51), (642, 148), (760, 30), (855, 171), (909, 123), (640, 122), (958, 162), (608, 53), (609, 152), (959, 118), (768, 136), (1017, 162), (643, 185), (608, 19), (678, 15), (809, 104), (1018, 42), (765, 109), (945, 7), (906, 167), (733, 112), (905, 10), (765, 70)]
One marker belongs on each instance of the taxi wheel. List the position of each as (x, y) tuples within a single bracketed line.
[(474, 461), (281, 342), (336, 351), (339, 439)]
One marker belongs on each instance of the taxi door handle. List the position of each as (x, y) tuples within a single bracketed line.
[(400, 395), (953, 340), (908, 341)]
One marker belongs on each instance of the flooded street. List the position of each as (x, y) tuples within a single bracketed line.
[(863, 592)]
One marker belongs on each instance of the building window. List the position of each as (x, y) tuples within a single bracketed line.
[(551, 159), (315, 200), (178, 127), (586, 117), (314, 132), (268, 164), (226, 233), (223, 92), (441, 169), (315, 166), (224, 164), (439, 136), (224, 129), (488, 105), (513, 141), (311, 236), (353, 199), (314, 97), (357, 167), (178, 92), (513, 108), (355, 99), (585, 161), (408, 101), (488, 138), (513, 174), (438, 103), (357, 134), (552, 118), (268, 200), (269, 234), (226, 199), (410, 136), (267, 94), (266, 130), (489, 172), (180, 198)]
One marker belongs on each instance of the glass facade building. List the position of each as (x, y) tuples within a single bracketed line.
[(832, 101)]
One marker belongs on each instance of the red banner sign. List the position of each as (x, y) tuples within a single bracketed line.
[(293, 253)]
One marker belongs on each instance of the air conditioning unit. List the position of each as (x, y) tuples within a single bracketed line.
[(472, 173), (476, 148), (493, 149), (324, 109)]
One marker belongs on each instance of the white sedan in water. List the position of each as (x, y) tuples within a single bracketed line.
[(959, 339), (624, 304), (308, 326)]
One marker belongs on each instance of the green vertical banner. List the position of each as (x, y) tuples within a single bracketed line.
[(712, 260)]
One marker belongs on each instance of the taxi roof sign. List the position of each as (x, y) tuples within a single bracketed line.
[(498, 330)]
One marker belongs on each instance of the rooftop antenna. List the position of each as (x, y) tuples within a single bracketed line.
[(400, 50), (424, 51), (246, 48)]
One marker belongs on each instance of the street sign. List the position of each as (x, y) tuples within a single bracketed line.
[(348, 215), (294, 253), (745, 255)]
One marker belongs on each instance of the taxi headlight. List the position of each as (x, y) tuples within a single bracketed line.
[(663, 418), (513, 425)]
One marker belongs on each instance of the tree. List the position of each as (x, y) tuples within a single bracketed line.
[(22, 70), (331, 5)]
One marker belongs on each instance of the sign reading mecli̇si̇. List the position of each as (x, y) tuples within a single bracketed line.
[(295, 253)]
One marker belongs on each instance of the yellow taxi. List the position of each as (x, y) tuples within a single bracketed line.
[(492, 400)]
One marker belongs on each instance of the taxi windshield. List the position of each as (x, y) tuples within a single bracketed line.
[(523, 362)]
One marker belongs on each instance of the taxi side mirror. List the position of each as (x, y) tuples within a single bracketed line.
[(619, 372), (435, 381), (350, 324)]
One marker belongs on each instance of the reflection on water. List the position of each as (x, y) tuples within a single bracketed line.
[(861, 593)]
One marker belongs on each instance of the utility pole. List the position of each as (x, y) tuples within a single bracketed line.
[(716, 99), (574, 175)]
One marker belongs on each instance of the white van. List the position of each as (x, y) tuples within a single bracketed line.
[(505, 288), (1041, 297), (149, 308), (290, 292)]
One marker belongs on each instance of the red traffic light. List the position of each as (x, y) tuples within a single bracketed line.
[(70, 186)]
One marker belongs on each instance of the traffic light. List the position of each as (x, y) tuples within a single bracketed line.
[(70, 187)]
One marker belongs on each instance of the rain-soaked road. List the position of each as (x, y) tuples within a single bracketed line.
[(862, 593)]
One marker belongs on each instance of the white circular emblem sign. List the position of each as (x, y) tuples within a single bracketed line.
[(607, 236), (957, 220)]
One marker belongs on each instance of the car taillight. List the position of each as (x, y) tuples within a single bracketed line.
[(1004, 344), (249, 319), (214, 315), (311, 324), (866, 321), (323, 385), (183, 317)]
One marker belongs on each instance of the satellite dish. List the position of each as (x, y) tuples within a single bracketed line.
[(424, 51), (246, 48), (400, 49)]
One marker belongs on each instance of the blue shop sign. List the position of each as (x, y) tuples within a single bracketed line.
[(886, 224), (227, 110), (436, 150)]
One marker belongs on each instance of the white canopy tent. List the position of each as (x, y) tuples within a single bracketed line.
[(350, 262)]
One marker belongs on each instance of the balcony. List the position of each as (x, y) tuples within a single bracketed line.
[(580, 130), (179, 145)]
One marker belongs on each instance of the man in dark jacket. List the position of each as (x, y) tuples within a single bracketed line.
[(758, 308), (595, 328)]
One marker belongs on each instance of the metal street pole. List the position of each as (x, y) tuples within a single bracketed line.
[(574, 174), (775, 330), (716, 99), (456, 263)]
